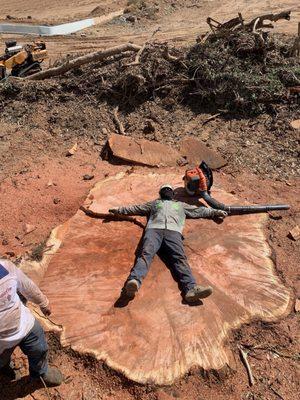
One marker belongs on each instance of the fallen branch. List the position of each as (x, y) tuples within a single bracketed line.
[(111, 217), (241, 20), (244, 358), (211, 118), (169, 56), (203, 37), (88, 58), (295, 52), (228, 25), (57, 392), (139, 53), (118, 122), (295, 357), (256, 23), (267, 17), (46, 388), (275, 392), (292, 357)]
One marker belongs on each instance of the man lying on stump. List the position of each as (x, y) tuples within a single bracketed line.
[(164, 231), (18, 327)]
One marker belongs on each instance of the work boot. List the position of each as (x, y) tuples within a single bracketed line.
[(131, 287), (9, 372), (198, 292), (53, 377)]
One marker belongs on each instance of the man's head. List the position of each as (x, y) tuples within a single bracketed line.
[(166, 192)]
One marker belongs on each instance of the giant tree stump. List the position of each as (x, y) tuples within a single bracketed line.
[(157, 338)]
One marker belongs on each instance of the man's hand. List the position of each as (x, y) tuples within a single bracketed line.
[(46, 310), (113, 211), (221, 214)]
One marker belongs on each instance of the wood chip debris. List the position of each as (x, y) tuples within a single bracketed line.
[(295, 233), (72, 150), (28, 228), (296, 123)]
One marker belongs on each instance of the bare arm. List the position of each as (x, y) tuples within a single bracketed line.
[(137, 209)]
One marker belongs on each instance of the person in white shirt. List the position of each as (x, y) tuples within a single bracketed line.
[(18, 327)]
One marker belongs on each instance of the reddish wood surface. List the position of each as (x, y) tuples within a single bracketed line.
[(143, 152), (196, 151), (156, 337)]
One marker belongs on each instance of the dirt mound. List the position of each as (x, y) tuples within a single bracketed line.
[(237, 71), (142, 9), (171, 91)]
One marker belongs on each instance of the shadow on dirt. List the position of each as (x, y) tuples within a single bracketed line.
[(20, 388)]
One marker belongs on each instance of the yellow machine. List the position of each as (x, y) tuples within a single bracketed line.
[(22, 60)]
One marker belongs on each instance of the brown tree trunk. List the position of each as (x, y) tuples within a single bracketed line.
[(77, 62)]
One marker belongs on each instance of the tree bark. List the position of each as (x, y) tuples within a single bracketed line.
[(77, 62)]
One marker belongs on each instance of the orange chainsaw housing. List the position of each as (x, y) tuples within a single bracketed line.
[(195, 180)]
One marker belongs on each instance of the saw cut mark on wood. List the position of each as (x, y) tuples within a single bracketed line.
[(157, 338)]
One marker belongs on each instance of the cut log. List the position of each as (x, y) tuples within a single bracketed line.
[(77, 62), (142, 152), (157, 338), (196, 151)]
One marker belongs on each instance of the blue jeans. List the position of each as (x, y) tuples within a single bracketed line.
[(35, 347), (171, 245)]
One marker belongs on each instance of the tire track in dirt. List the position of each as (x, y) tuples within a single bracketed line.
[(181, 27)]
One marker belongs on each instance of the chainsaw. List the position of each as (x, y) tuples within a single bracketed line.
[(198, 182)]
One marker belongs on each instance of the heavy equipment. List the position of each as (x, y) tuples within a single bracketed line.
[(198, 182), (22, 60)]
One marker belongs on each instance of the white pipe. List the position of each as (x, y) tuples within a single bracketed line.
[(63, 29)]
